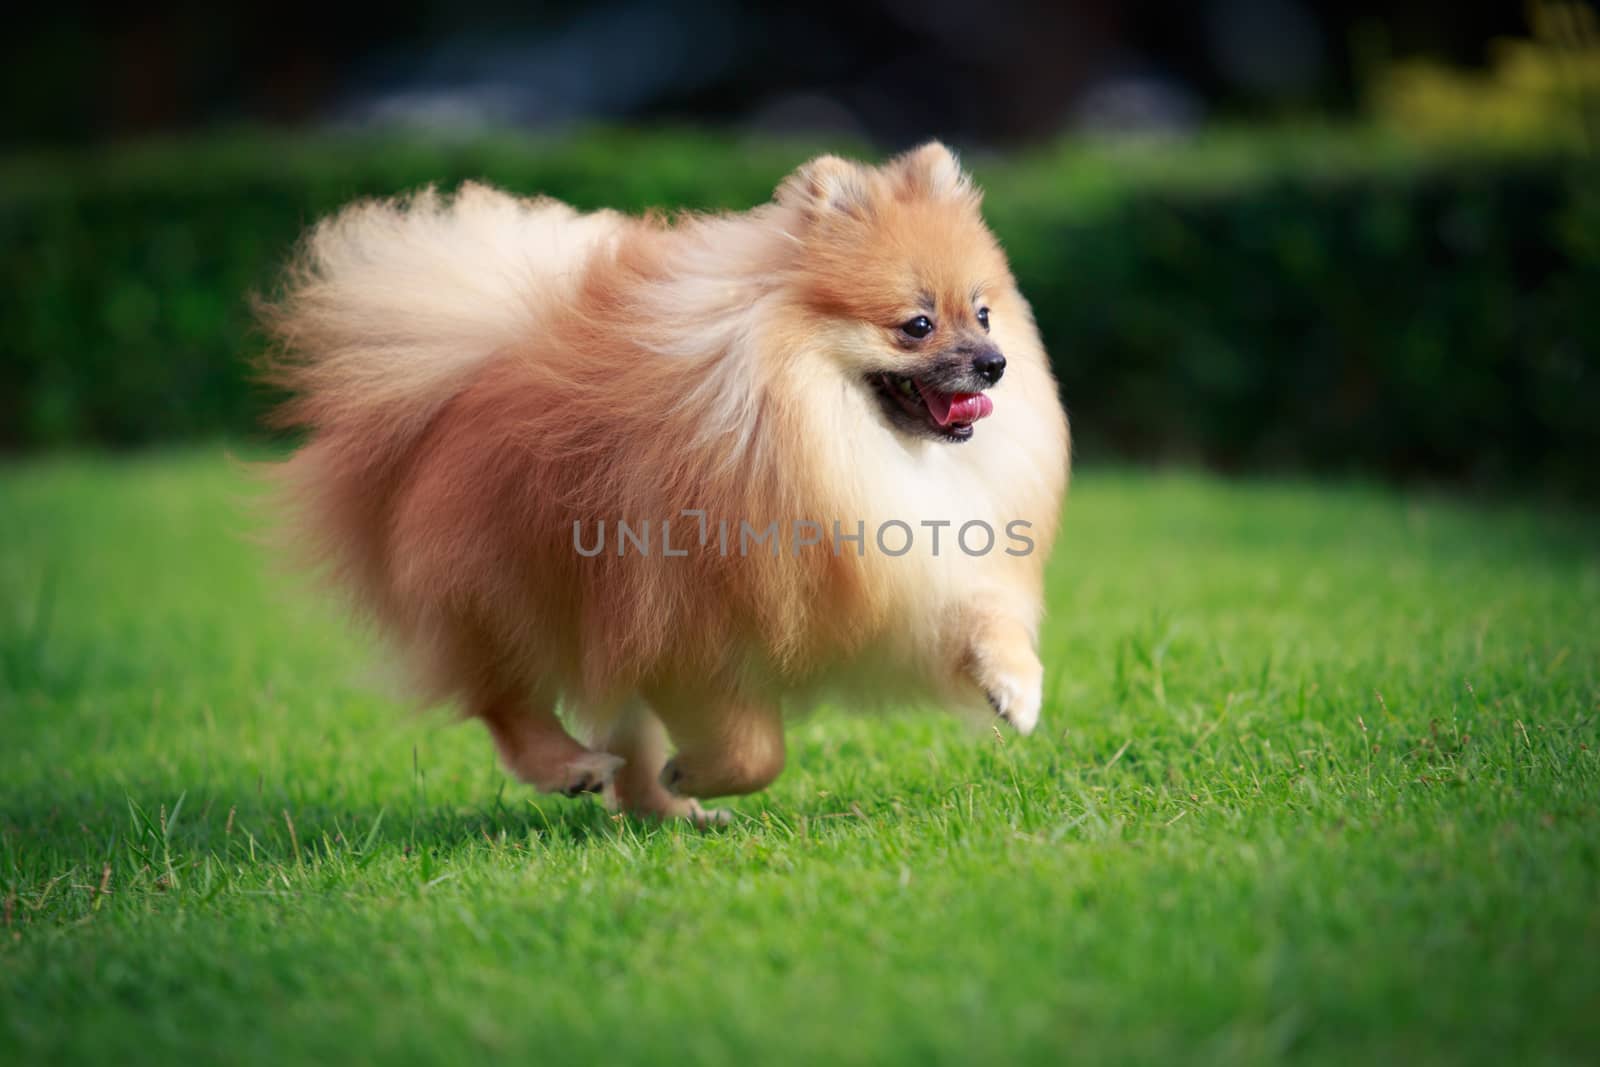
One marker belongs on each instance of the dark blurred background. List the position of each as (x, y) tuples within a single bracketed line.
[(1258, 234), (997, 72)]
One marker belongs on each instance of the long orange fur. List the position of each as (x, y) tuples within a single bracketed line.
[(477, 373)]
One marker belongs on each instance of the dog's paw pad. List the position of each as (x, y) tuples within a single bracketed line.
[(589, 773)]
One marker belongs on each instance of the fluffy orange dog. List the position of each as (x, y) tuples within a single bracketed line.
[(677, 477)]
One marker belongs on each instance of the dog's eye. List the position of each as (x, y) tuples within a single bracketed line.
[(983, 318), (919, 327)]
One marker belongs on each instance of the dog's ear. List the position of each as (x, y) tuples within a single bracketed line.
[(931, 172), (827, 184)]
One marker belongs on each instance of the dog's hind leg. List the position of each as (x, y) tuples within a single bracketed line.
[(635, 735), (727, 746), (537, 749)]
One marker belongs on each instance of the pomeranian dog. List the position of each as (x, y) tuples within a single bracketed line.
[(678, 477)]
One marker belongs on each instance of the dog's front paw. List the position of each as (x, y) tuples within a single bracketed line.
[(1016, 693)]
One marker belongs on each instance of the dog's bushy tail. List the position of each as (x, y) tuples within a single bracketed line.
[(390, 304), (387, 309)]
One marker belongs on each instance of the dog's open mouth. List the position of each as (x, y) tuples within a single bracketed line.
[(945, 414)]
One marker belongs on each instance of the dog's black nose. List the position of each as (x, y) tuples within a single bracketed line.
[(989, 365)]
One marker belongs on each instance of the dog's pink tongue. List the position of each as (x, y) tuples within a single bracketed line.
[(947, 408)]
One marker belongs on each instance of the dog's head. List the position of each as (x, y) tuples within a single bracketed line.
[(907, 284)]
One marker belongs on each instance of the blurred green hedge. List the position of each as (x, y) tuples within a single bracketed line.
[(1326, 300)]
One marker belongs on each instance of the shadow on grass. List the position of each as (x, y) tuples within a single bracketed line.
[(152, 824), (150, 820)]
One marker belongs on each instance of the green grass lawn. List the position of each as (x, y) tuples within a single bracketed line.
[(1317, 780)]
